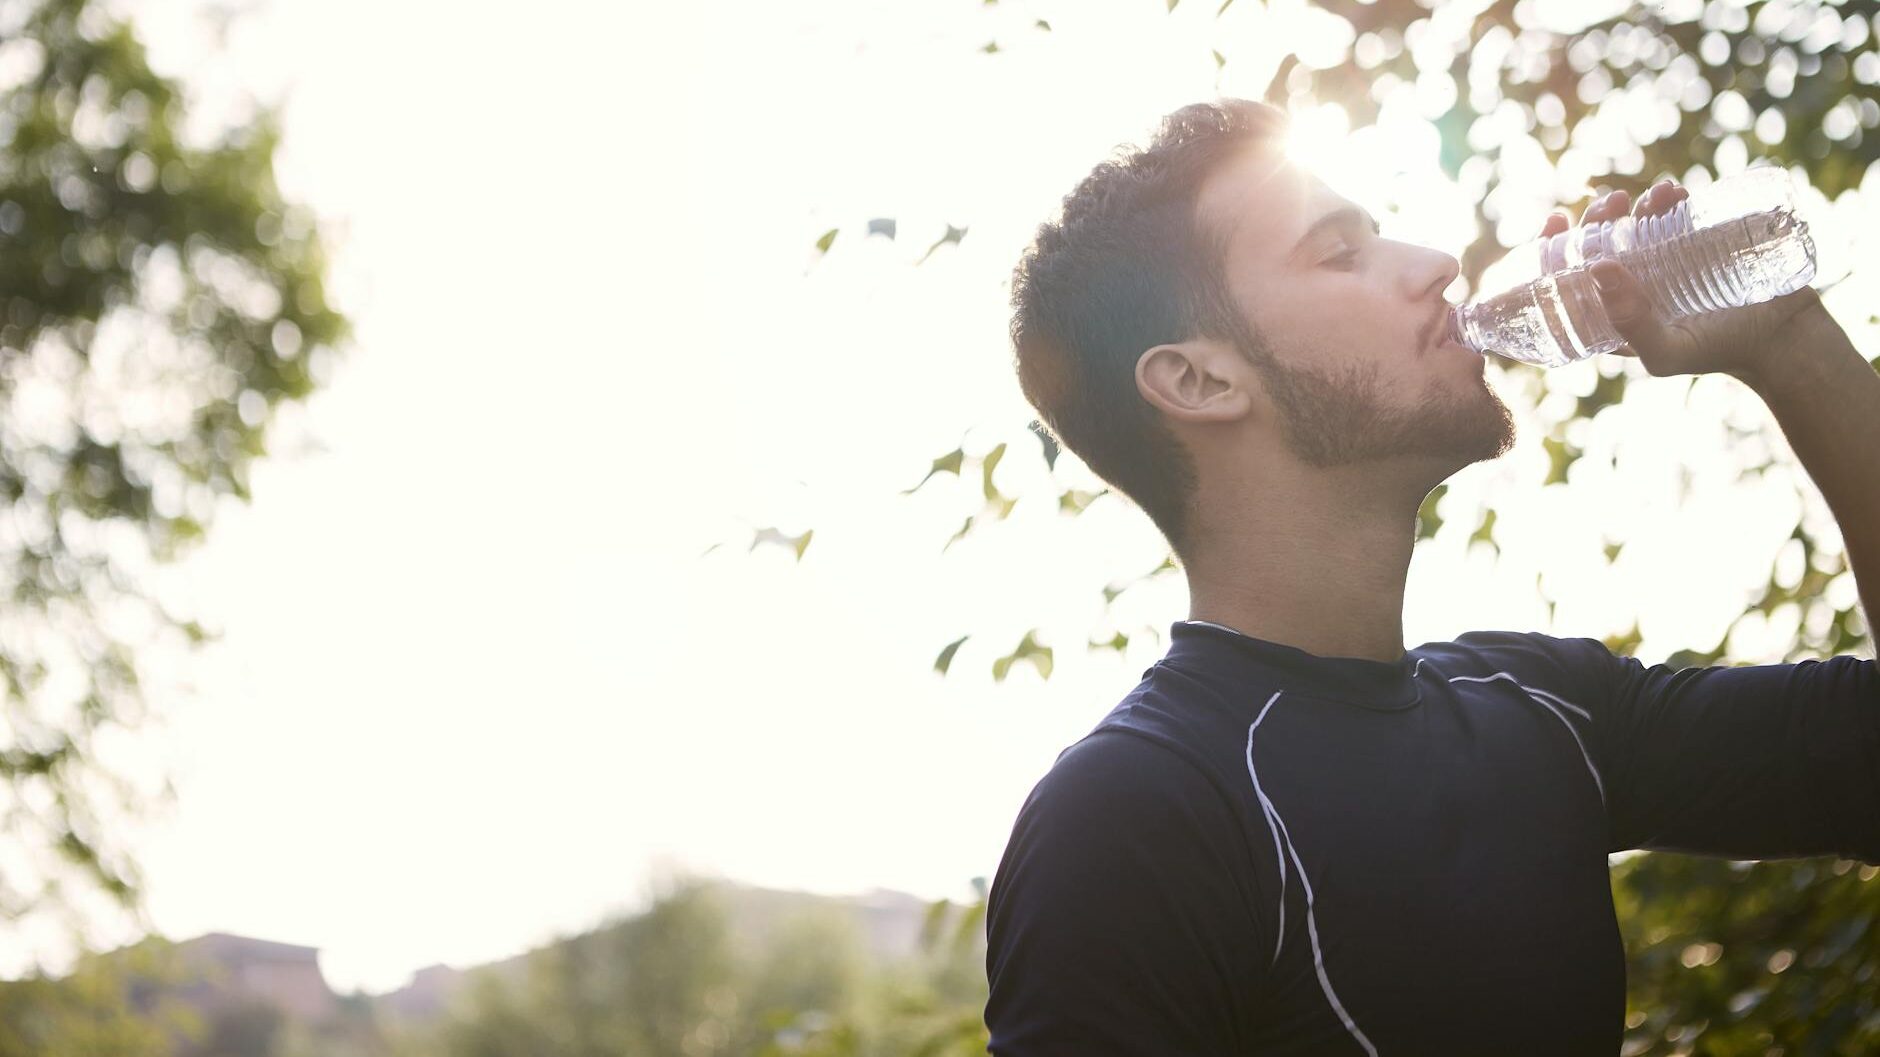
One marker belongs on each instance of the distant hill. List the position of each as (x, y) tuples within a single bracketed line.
[(888, 922), (239, 972)]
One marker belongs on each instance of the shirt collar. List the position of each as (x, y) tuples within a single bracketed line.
[(1208, 648)]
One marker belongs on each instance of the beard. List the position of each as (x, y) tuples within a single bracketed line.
[(1342, 417)]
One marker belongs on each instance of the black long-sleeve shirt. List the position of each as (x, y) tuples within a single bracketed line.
[(1260, 851)]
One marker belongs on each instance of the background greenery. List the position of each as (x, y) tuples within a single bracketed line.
[(159, 300), (142, 269)]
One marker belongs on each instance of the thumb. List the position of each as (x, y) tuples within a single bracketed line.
[(1627, 305)]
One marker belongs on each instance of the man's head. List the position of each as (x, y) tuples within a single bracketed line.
[(1204, 309)]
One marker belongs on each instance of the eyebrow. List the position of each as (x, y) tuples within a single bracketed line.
[(1340, 217)]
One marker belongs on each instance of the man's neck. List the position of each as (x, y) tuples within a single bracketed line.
[(1317, 572)]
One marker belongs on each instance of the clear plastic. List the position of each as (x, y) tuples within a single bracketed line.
[(1735, 242)]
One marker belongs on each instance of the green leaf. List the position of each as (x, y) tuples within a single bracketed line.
[(1219, 60), (991, 48), (1428, 521), (945, 660), (1560, 455), (948, 463), (953, 235), (1042, 24), (986, 466), (1028, 649), (1118, 642), (797, 544), (1225, 4), (958, 536), (1172, 3), (828, 239), (1074, 500), (1485, 532)]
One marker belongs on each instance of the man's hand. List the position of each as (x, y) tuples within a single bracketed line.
[(1746, 343)]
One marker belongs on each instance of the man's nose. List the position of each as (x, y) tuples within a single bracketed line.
[(1429, 272)]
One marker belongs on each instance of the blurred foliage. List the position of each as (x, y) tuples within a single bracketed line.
[(688, 977), (1731, 959), (154, 999), (114, 1005), (676, 982), (159, 301)]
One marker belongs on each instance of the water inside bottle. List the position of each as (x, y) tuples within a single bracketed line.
[(1559, 318)]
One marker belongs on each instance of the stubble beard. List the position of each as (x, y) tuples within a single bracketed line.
[(1341, 417)]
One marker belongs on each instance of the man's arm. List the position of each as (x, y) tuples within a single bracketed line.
[(1794, 355), (1764, 762), (1826, 398), (1778, 760)]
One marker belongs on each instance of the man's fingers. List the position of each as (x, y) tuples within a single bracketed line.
[(1626, 304), (1555, 223), (1660, 198), (1609, 206), (1643, 206)]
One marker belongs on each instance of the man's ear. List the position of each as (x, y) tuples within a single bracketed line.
[(1195, 381)]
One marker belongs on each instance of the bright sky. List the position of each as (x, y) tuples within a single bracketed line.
[(477, 684)]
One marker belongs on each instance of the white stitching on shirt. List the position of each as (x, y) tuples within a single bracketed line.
[(1561, 701), (1312, 927), (1543, 699), (1266, 808)]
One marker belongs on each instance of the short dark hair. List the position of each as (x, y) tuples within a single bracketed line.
[(1124, 269)]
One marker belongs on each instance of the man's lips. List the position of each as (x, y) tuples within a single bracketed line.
[(1436, 329)]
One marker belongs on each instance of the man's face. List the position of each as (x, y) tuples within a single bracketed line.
[(1357, 358)]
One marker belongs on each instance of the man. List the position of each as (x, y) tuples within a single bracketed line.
[(1295, 836)]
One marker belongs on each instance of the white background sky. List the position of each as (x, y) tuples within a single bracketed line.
[(477, 683)]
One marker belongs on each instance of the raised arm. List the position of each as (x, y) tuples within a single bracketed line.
[(1826, 397), (1823, 393), (1778, 760)]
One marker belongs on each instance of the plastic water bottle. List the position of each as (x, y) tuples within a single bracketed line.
[(1735, 242)]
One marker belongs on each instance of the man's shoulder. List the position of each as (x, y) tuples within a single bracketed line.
[(1529, 640), (1125, 760), (1577, 663), (1124, 785), (1522, 646), (1123, 815)]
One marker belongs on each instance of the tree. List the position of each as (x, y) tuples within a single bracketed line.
[(1736, 958), (159, 301), (121, 1004), (930, 1006), (1685, 90), (667, 981)]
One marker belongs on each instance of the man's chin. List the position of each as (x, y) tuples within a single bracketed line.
[(1463, 429)]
